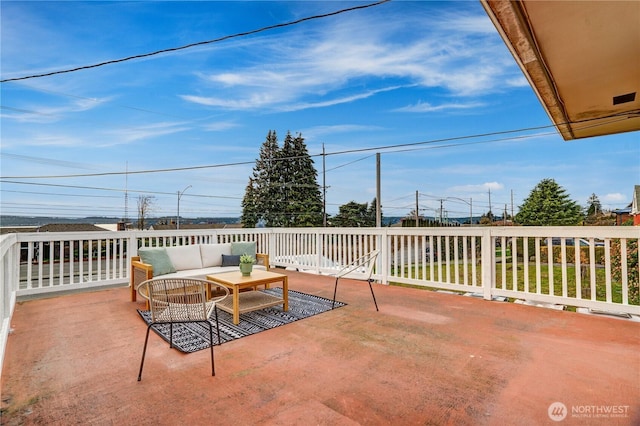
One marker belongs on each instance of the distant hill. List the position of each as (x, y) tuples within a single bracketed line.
[(7, 221), (12, 221)]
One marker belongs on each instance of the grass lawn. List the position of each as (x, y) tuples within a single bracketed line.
[(571, 287)]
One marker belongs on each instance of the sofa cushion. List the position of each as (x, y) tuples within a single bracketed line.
[(158, 259), (244, 248), (231, 260), (185, 257), (202, 273), (212, 253)]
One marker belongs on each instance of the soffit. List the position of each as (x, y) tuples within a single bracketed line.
[(577, 56)]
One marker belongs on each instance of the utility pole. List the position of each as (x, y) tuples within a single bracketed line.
[(490, 205), (441, 200), (378, 207), (126, 194), (324, 188), (512, 204), (180, 194), (417, 215)]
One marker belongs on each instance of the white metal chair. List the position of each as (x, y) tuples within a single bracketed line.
[(359, 269), (180, 300)]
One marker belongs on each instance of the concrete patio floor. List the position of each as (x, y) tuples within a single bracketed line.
[(425, 358)]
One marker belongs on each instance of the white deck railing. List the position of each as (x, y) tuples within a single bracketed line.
[(589, 267)]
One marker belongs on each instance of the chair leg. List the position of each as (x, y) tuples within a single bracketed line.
[(217, 327), (335, 289), (374, 296), (171, 335), (144, 351), (213, 368)]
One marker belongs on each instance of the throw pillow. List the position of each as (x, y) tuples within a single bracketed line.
[(158, 258), (185, 257), (212, 253), (230, 260), (244, 248)]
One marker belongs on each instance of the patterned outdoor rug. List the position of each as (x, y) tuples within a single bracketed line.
[(193, 337)]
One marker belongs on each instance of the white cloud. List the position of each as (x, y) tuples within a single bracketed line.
[(323, 131), (520, 81), (465, 23), (38, 113), (483, 187), (220, 126), (312, 70), (128, 135), (615, 197), (427, 107)]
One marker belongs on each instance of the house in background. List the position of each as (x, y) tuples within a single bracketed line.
[(635, 205), (622, 215), (172, 226)]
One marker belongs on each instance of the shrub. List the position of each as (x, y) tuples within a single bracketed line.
[(632, 267)]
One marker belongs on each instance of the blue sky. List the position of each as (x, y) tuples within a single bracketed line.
[(391, 79)]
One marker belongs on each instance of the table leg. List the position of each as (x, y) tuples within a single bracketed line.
[(236, 305), (285, 293)]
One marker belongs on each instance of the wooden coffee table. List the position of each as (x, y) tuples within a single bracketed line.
[(248, 301)]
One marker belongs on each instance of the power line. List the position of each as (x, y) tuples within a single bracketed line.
[(117, 190), (351, 151), (349, 163), (379, 148), (200, 43), (58, 194)]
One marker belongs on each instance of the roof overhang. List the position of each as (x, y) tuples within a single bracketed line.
[(582, 59)]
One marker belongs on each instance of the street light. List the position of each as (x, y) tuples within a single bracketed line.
[(470, 203), (180, 194)]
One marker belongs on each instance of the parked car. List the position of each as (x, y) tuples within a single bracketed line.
[(556, 241)]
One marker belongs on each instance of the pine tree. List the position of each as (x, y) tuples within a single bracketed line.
[(352, 214), (548, 204), (262, 196), (283, 191), (250, 214), (286, 168), (305, 197), (372, 213), (593, 206)]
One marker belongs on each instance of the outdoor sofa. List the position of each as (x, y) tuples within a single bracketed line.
[(190, 261)]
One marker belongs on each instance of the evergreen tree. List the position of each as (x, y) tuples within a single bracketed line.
[(286, 168), (305, 197), (593, 206), (250, 214), (548, 204), (371, 212), (487, 218), (263, 198), (283, 191), (354, 215)]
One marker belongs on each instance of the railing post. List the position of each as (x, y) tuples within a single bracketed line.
[(9, 279), (271, 244), (383, 245), (487, 259), (319, 251)]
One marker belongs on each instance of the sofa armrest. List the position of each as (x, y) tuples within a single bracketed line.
[(263, 258), (140, 272)]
